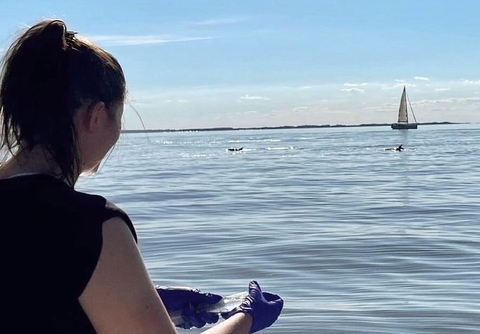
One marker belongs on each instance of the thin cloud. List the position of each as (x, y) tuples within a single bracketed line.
[(449, 100), (175, 101), (347, 84), (124, 40), (421, 78), (301, 109), (214, 22), (471, 82), (353, 90), (248, 97), (401, 83)]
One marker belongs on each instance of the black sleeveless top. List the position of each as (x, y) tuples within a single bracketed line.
[(50, 244)]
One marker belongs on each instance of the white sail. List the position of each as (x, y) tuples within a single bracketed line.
[(402, 110), (402, 122)]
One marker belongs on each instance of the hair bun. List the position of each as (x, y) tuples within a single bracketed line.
[(53, 35)]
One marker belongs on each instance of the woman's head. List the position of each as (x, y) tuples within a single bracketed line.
[(47, 76)]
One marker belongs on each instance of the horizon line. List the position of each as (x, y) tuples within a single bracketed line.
[(226, 128)]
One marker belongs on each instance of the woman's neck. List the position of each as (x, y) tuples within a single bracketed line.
[(35, 161)]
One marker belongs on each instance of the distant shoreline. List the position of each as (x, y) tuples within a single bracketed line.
[(276, 127)]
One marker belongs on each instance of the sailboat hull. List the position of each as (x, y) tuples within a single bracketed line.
[(400, 126)]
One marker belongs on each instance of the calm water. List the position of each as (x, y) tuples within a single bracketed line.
[(355, 237)]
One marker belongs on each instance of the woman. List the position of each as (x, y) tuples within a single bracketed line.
[(71, 261)]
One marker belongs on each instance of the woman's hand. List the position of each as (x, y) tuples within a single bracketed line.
[(263, 307), (181, 304)]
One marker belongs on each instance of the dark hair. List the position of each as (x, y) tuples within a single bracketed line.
[(46, 75)]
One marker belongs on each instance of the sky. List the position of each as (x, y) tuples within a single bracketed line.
[(256, 63)]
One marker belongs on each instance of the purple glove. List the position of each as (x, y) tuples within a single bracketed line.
[(264, 307), (184, 301)]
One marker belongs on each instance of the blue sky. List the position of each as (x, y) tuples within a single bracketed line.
[(250, 63)]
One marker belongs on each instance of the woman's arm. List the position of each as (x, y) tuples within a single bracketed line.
[(239, 323), (120, 296)]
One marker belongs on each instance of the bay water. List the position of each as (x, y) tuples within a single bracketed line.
[(355, 237)]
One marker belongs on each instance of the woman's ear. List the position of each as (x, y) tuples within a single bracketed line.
[(92, 118)]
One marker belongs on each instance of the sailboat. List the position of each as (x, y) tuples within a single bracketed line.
[(402, 122)]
